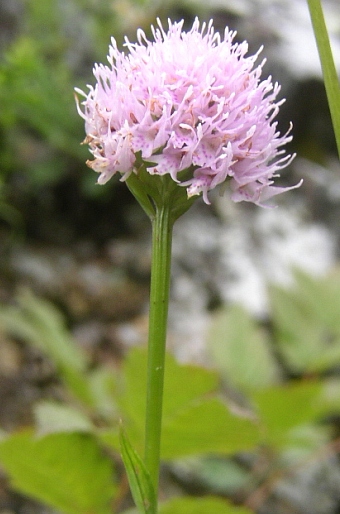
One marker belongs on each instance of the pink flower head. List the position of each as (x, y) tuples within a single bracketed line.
[(187, 101)]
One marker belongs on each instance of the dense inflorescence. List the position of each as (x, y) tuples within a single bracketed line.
[(187, 101)]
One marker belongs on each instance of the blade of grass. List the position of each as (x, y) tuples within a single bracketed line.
[(327, 64)]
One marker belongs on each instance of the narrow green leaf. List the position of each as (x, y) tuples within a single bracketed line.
[(139, 478), (67, 471), (327, 63), (40, 323)]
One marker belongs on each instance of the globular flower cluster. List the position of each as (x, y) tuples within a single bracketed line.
[(187, 101)]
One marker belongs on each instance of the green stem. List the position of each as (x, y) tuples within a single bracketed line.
[(327, 63), (164, 202), (162, 224)]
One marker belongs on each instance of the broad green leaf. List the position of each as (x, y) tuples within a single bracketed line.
[(206, 426), (183, 384), (321, 296), (67, 471), (306, 323), (240, 349), (205, 505), (139, 479), (282, 409), (54, 417), (195, 420)]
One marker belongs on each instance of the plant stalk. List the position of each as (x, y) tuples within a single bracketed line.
[(162, 224)]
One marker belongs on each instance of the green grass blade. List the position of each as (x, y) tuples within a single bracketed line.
[(327, 63)]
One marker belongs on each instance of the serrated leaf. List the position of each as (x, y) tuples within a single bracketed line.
[(139, 478), (240, 349), (195, 421), (205, 505), (67, 471)]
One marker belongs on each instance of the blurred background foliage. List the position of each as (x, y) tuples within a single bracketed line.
[(267, 408), (264, 413)]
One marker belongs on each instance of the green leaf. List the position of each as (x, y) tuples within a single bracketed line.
[(321, 297), (306, 323), (282, 409), (139, 479), (240, 349), (67, 471), (182, 385), (54, 417), (205, 505), (195, 420), (206, 426), (327, 63)]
